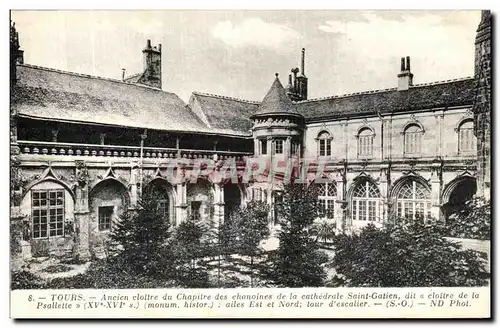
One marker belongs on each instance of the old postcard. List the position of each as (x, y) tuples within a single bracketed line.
[(250, 164)]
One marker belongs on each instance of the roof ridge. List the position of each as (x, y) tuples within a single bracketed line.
[(345, 95), (93, 77), (225, 97), (133, 75), (383, 90), (443, 81)]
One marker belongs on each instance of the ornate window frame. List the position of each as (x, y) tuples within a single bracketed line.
[(405, 135)]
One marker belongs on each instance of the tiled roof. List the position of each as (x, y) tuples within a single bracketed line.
[(51, 94), (235, 113), (224, 113), (276, 100), (424, 96)]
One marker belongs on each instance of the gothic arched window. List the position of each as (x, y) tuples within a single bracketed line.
[(466, 139), (414, 199), (413, 139), (365, 201), (324, 144)]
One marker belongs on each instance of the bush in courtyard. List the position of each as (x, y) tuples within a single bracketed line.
[(473, 221), (405, 253), (187, 250), (113, 273), (247, 227), (24, 280), (297, 262), (324, 230), (142, 235)]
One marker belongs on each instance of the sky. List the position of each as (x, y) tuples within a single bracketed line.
[(237, 53)]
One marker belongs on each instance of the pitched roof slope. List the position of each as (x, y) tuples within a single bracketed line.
[(425, 96), (225, 113), (51, 94), (276, 100)]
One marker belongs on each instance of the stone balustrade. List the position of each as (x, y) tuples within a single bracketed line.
[(71, 149)]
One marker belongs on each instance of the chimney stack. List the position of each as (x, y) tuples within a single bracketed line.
[(152, 66), (295, 71), (298, 89), (123, 74), (405, 77), (302, 62)]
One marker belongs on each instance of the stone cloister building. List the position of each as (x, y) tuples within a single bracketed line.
[(83, 147)]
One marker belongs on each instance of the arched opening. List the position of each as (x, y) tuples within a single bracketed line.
[(232, 199), (108, 200), (50, 206), (366, 204), (413, 199), (162, 192), (200, 201), (457, 195)]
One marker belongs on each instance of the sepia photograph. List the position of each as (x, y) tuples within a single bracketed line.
[(250, 152)]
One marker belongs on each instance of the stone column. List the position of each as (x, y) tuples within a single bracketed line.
[(269, 145), (134, 193), (347, 210), (82, 222), (383, 186), (436, 190), (288, 147), (20, 227), (389, 141), (181, 203), (218, 218), (256, 149), (439, 131), (340, 206)]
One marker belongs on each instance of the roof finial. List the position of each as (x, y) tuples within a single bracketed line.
[(276, 74)]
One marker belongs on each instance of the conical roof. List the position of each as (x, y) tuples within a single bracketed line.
[(276, 100)]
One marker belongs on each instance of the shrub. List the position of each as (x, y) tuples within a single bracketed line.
[(24, 280), (324, 230), (405, 254), (110, 274), (186, 250), (297, 262), (245, 230), (143, 236), (473, 221)]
